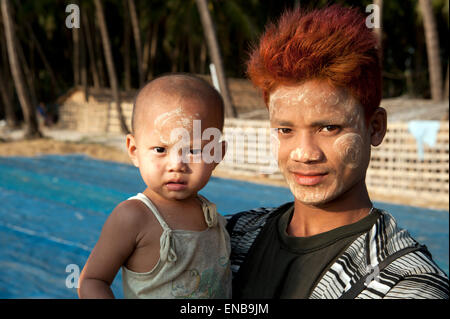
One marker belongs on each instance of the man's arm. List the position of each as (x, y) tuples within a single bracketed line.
[(421, 286), (116, 243)]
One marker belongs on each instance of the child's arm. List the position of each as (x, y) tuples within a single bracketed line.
[(116, 243)]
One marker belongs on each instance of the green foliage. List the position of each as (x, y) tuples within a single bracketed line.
[(238, 23)]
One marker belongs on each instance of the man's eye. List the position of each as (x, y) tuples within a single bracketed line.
[(159, 150), (284, 130), (330, 128)]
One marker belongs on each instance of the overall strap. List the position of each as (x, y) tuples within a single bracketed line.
[(209, 211), (361, 284), (166, 247)]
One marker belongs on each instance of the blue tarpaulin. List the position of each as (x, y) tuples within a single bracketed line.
[(53, 208)]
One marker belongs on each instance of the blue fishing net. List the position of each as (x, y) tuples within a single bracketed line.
[(53, 208)]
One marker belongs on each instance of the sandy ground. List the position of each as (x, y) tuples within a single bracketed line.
[(51, 146), (112, 148)]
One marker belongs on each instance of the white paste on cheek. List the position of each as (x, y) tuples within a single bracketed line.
[(349, 148)]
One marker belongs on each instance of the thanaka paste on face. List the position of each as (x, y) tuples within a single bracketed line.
[(302, 155), (174, 119), (348, 147)]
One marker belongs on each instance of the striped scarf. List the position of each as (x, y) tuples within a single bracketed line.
[(386, 262)]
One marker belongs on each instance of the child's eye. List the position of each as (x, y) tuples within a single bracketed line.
[(159, 149), (284, 130), (195, 151)]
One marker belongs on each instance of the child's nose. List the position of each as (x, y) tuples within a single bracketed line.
[(177, 162)]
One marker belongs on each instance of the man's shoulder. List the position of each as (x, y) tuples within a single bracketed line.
[(254, 218), (244, 227)]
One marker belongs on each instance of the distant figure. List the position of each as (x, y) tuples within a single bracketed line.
[(320, 75), (169, 240), (43, 115)]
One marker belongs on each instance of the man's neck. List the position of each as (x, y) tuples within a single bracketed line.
[(349, 208)]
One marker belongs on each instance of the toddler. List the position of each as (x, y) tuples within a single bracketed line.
[(169, 240)]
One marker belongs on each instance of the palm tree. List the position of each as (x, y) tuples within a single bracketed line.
[(379, 31), (90, 46), (5, 87), (29, 112), (214, 52), (432, 42), (10, 117), (137, 39), (110, 64)]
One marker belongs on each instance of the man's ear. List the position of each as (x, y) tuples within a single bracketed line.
[(132, 149), (378, 126)]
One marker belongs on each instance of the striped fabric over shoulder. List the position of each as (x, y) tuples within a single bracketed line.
[(385, 262), (412, 275), (243, 228)]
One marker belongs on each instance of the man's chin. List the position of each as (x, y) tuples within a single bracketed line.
[(311, 196)]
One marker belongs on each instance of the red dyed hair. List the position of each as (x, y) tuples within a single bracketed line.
[(332, 43)]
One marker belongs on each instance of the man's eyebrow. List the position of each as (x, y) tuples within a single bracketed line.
[(325, 122), (282, 122)]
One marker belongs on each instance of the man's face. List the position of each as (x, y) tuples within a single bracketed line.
[(324, 144)]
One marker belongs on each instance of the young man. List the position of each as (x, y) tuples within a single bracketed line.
[(321, 80)]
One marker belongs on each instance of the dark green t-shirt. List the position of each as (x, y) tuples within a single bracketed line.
[(283, 266)]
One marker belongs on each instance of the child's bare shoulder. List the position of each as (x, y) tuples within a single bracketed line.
[(130, 212), (133, 216)]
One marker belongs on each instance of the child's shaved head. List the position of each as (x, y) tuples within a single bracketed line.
[(182, 86)]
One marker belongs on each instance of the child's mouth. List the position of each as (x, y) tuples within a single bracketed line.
[(176, 185)]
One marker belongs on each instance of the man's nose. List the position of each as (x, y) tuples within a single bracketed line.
[(306, 151)]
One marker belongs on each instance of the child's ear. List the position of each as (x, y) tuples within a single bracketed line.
[(132, 150)]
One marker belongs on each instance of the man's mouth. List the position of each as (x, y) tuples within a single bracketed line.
[(309, 178)]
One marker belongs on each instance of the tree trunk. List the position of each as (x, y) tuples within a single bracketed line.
[(83, 64), (214, 52), (110, 64), (90, 47), (99, 55), (76, 56), (10, 116), (153, 47), (6, 90), (379, 31), (203, 59), (29, 112), (126, 49), (137, 40), (432, 41), (43, 58), (446, 86)]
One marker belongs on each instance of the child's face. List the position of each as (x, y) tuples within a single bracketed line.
[(173, 167)]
